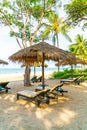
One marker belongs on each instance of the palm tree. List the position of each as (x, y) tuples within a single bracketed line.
[(79, 47), (55, 26)]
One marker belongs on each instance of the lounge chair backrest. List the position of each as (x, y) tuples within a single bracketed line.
[(76, 79), (39, 77), (56, 87), (42, 92), (80, 79), (3, 84)]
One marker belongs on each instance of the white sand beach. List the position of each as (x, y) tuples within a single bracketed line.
[(69, 113), (20, 76)]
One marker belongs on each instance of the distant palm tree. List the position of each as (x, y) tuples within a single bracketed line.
[(79, 47), (56, 26)]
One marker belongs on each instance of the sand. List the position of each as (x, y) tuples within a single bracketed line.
[(69, 113)]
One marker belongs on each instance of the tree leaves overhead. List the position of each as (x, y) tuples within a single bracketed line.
[(77, 12), (25, 17)]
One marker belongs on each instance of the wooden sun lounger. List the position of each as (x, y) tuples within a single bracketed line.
[(4, 87), (37, 79), (57, 88), (69, 80), (38, 97), (76, 80), (79, 80), (33, 78), (42, 96), (54, 92)]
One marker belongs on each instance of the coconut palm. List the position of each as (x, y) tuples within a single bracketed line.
[(54, 27), (79, 47)]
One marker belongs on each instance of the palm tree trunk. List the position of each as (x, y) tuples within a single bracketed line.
[(27, 76), (57, 39), (58, 47), (34, 71), (72, 71), (43, 82), (58, 66)]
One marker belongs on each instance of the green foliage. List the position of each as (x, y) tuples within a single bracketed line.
[(69, 73), (85, 70), (25, 18), (37, 10), (79, 47), (63, 74), (77, 12)]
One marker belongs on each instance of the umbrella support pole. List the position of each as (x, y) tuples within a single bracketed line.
[(43, 71)]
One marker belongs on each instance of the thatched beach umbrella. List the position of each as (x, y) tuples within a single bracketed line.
[(35, 64), (39, 53), (3, 62), (71, 62)]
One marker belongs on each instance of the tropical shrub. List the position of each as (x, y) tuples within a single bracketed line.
[(69, 73)]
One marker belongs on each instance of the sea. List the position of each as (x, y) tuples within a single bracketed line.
[(5, 70), (22, 70)]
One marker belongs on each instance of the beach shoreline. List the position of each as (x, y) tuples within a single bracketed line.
[(11, 77), (20, 76)]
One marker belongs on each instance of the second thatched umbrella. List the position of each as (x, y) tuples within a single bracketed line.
[(3, 62), (35, 64), (38, 53), (71, 62)]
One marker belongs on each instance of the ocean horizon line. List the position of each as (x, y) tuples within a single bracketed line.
[(38, 69), (22, 70)]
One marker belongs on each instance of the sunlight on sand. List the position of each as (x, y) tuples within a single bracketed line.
[(84, 84), (85, 91), (22, 102), (66, 115), (13, 108), (62, 99), (42, 116), (10, 97), (27, 104)]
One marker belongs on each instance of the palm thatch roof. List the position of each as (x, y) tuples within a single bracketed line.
[(35, 64), (3, 62), (71, 62), (35, 53)]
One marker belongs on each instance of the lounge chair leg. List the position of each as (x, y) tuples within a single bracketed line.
[(47, 101), (62, 93), (38, 103), (6, 90), (17, 96)]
